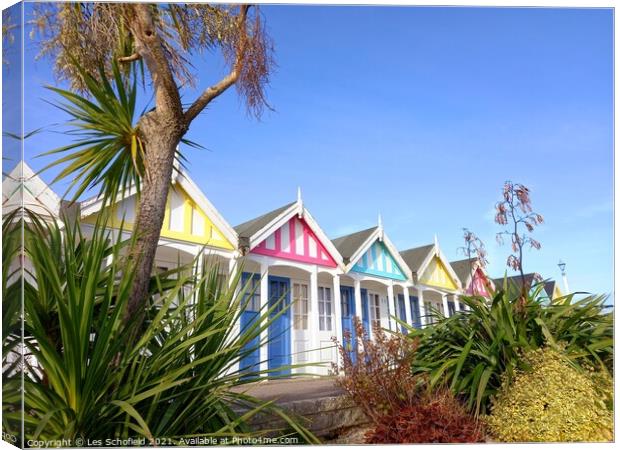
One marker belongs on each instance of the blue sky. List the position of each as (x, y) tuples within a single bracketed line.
[(420, 114)]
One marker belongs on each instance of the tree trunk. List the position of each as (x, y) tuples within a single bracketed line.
[(161, 138), (161, 131)]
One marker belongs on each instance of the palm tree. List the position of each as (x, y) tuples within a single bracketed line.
[(158, 40)]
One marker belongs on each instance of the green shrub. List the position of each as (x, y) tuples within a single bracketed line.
[(473, 350), (551, 401), (604, 385)]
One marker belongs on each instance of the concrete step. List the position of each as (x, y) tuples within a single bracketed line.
[(320, 405)]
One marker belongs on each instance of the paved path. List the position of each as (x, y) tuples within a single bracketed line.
[(289, 390)]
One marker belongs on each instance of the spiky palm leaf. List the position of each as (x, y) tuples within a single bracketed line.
[(11, 292), (108, 152)]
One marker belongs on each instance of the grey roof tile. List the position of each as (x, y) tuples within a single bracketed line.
[(462, 268), (248, 229), (349, 244), (550, 287), (414, 257), (529, 279)]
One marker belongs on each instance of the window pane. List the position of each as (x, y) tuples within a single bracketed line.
[(246, 302)]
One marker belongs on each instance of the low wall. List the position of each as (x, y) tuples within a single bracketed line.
[(326, 417), (317, 403)]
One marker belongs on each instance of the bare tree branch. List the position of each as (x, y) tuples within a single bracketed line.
[(210, 94), (217, 89), (149, 45), (130, 58)]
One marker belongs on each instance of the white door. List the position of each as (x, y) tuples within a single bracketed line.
[(301, 335), (385, 313), (327, 328), (374, 305)]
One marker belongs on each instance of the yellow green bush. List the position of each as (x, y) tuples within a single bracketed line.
[(551, 401), (604, 384)]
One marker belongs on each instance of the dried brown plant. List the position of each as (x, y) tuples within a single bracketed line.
[(515, 212), (437, 418), (376, 375), (85, 36)]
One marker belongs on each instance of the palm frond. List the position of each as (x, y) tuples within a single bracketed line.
[(108, 152)]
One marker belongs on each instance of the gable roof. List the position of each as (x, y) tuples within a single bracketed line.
[(180, 177), (254, 231), (252, 226), (464, 268), (550, 288), (208, 208), (515, 279), (415, 257), (23, 187), (349, 244), (419, 258), (354, 245), (549, 285)]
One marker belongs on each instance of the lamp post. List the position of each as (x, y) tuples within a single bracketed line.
[(562, 266)]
